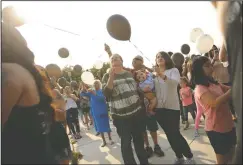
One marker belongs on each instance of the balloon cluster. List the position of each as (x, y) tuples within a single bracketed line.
[(204, 42)]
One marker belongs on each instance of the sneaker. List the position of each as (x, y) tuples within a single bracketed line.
[(179, 161), (149, 151), (186, 126), (196, 133), (158, 151), (190, 161)]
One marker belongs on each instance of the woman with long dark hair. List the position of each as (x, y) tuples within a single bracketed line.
[(214, 99), (168, 108), (27, 114)]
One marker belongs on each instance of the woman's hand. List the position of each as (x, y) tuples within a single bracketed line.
[(147, 89), (159, 73), (91, 91)]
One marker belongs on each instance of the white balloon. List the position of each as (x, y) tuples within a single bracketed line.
[(108, 70), (98, 64), (204, 43), (195, 33), (87, 78)]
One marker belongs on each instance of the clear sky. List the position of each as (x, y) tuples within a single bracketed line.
[(155, 26)]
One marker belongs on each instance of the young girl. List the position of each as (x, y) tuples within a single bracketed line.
[(214, 99), (72, 113), (186, 94)]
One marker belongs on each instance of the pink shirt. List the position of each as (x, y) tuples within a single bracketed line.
[(199, 114), (186, 96), (218, 120)]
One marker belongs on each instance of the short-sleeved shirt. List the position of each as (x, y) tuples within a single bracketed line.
[(84, 102), (218, 120), (186, 95), (148, 82)]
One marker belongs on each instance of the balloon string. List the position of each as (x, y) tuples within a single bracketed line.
[(141, 52), (61, 30)]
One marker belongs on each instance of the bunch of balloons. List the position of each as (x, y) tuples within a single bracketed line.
[(204, 42)]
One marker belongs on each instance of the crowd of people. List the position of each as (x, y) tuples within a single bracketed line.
[(39, 111)]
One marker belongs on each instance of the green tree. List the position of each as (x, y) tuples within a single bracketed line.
[(99, 73)]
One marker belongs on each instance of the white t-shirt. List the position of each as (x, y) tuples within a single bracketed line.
[(70, 103)]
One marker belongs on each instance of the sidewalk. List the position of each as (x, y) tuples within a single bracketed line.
[(90, 144)]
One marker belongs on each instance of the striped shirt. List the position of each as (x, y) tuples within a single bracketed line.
[(124, 98)]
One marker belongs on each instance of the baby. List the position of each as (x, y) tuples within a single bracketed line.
[(146, 83)]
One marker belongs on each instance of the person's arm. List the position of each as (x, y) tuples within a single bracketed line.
[(107, 81), (212, 101), (198, 116), (75, 98), (11, 93), (83, 93), (225, 88), (174, 78), (223, 54), (108, 50)]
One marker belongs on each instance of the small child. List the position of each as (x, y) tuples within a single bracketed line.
[(186, 95), (146, 83)]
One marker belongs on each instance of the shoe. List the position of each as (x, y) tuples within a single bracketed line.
[(186, 126), (97, 134), (190, 161), (196, 133), (149, 151), (179, 161), (158, 151), (103, 144)]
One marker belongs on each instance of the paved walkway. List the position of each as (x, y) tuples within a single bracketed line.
[(90, 144)]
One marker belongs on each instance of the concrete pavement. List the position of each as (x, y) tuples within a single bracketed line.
[(90, 144)]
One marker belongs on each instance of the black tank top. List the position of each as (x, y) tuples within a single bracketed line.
[(25, 136)]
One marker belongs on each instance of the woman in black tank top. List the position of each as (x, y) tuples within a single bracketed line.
[(26, 130)]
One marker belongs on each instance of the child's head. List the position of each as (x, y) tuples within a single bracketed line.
[(140, 75), (67, 90), (184, 82)]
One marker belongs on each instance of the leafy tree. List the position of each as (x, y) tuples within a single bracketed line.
[(98, 73)]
